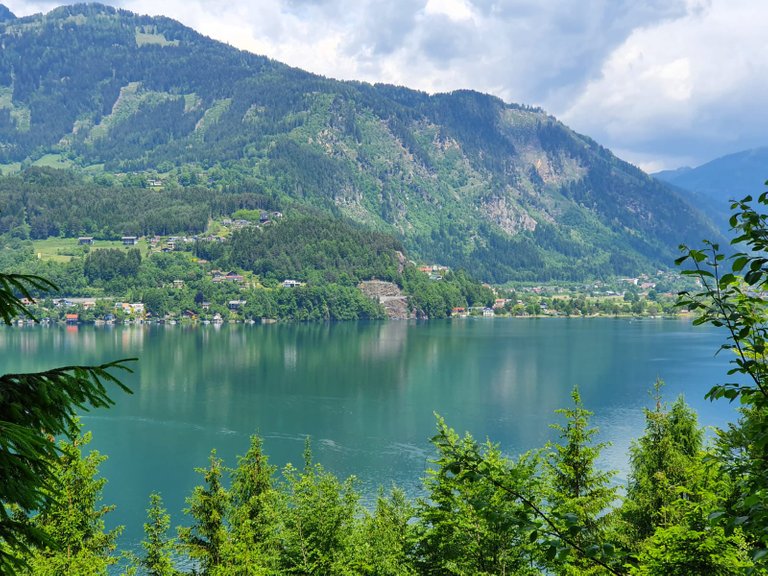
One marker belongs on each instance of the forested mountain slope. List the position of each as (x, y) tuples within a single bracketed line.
[(463, 179)]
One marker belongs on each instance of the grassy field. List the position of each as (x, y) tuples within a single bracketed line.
[(64, 249), (7, 169), (53, 161), (47, 161)]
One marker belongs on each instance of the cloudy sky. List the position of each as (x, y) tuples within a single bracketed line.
[(662, 83)]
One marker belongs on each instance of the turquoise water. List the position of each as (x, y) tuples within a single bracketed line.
[(365, 392)]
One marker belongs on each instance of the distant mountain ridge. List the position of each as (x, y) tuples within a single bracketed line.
[(714, 184), (6, 14), (464, 179), (729, 177)]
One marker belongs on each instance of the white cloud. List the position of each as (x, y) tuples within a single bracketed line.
[(692, 86), (454, 9)]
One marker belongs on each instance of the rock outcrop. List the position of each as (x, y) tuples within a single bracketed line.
[(390, 296)]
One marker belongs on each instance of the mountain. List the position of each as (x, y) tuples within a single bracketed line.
[(503, 190), (726, 178), (6, 14), (711, 186)]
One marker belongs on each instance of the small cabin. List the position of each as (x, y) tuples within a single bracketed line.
[(130, 240)]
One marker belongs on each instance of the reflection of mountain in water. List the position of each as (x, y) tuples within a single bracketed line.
[(366, 392)]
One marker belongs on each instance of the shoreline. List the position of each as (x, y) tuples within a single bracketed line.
[(27, 323)]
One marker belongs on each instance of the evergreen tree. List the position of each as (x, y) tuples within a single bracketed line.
[(664, 461), (158, 548), (253, 546), (319, 515), (33, 409), (204, 540), (385, 539), (575, 488), (74, 519), (681, 550), (674, 487), (478, 515)]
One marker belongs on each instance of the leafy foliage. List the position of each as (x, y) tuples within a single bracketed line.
[(44, 202), (473, 522), (733, 297), (313, 244), (319, 514), (384, 539)]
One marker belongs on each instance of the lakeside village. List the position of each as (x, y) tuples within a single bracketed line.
[(643, 296)]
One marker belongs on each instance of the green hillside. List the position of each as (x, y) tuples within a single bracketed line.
[(464, 179)]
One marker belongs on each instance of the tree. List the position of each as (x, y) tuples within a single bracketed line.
[(732, 296), (674, 485), (480, 510), (682, 550), (33, 409), (319, 515), (385, 539), (158, 548), (204, 540), (574, 486), (552, 534), (74, 520), (664, 462), (253, 546)]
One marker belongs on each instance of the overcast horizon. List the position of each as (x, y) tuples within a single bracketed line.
[(662, 83)]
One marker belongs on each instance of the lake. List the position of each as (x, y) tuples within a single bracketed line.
[(366, 393)]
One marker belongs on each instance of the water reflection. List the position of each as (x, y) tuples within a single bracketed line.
[(366, 392)]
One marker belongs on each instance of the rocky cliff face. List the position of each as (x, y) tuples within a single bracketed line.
[(390, 296)]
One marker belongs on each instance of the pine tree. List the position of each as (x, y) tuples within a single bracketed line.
[(478, 516), (674, 488), (74, 519), (664, 461), (385, 539), (319, 513), (576, 489), (204, 540), (253, 546), (158, 548), (34, 408)]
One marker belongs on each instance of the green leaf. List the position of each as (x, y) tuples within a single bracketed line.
[(571, 519), (739, 263), (716, 515), (727, 279), (739, 520), (592, 551)]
